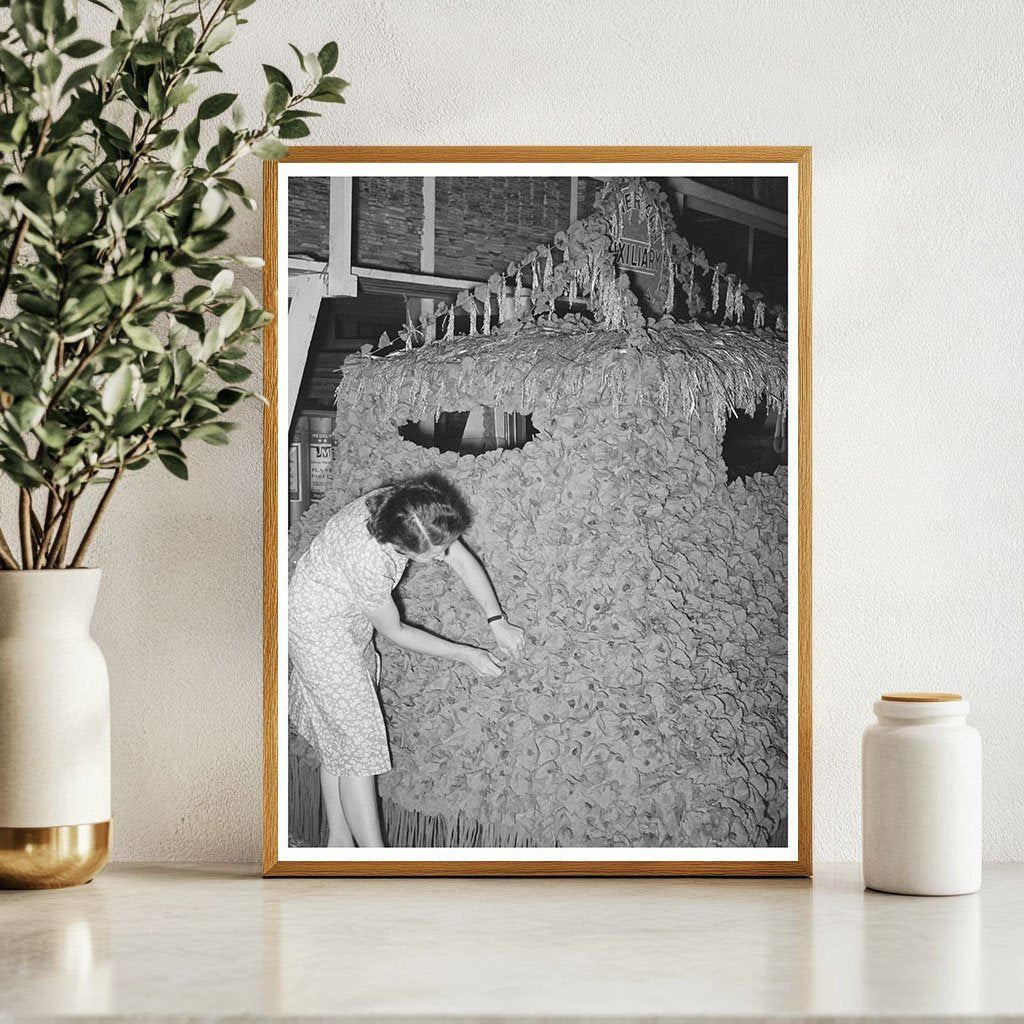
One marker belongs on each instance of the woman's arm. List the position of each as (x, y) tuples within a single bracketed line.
[(508, 637), (386, 620), (471, 572)]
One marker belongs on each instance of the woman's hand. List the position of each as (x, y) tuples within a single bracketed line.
[(481, 662), (508, 637)]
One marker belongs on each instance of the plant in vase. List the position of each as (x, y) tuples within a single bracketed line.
[(122, 339)]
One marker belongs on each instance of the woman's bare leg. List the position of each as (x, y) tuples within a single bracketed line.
[(338, 832), (359, 800)]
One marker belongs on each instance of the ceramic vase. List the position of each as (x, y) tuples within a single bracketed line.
[(54, 731)]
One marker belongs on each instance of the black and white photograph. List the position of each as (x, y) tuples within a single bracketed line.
[(537, 475)]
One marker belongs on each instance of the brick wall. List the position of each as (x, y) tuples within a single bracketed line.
[(388, 223), (484, 223), (481, 223), (308, 216)]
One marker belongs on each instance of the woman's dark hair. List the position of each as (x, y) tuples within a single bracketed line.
[(419, 513)]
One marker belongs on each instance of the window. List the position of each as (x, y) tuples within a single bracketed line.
[(754, 444), (482, 429)]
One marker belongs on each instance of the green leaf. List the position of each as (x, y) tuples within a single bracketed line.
[(293, 130), (168, 442), (181, 94), (49, 68), (11, 442), (21, 471), (232, 373), (326, 96), (77, 79), (184, 44), (310, 65), (193, 321), (211, 433), (149, 53), (222, 281), (133, 12), (129, 421), (334, 84), (144, 338), (25, 17), (53, 435), (83, 48), (193, 379), (276, 100), (109, 65), (16, 70), (221, 35), (26, 413), (328, 57), (53, 14), (269, 149), (86, 309), (215, 105), (129, 207), (195, 296), (36, 304), (175, 465), (119, 292), (116, 390), (165, 376), (278, 77), (227, 397), (163, 139), (211, 208), (115, 133), (12, 356), (232, 319)]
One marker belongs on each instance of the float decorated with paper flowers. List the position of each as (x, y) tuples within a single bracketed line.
[(650, 706)]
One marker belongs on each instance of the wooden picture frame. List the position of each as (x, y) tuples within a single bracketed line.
[(280, 860)]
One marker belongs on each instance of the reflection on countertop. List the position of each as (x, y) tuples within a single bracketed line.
[(177, 940)]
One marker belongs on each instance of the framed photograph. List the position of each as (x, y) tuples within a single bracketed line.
[(538, 511)]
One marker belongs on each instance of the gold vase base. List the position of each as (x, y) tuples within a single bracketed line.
[(52, 857)]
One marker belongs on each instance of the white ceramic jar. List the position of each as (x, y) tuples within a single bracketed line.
[(921, 778)]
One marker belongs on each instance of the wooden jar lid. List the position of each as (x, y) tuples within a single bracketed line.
[(921, 698)]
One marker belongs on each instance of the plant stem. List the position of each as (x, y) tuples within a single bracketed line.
[(90, 531), (60, 544), (54, 506), (51, 510), (12, 255), (6, 555), (84, 360), (25, 520), (19, 234)]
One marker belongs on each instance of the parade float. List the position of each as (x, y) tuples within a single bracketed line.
[(650, 706)]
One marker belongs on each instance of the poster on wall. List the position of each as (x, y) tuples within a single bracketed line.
[(537, 512)]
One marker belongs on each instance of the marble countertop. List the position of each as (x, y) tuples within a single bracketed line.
[(179, 941)]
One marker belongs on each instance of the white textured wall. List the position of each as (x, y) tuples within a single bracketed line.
[(913, 110)]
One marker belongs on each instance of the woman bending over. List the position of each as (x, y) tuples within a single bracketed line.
[(339, 594)]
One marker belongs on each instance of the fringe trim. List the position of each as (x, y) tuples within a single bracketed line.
[(406, 828), (306, 826)]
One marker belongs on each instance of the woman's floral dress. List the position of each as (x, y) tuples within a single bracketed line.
[(332, 700)]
